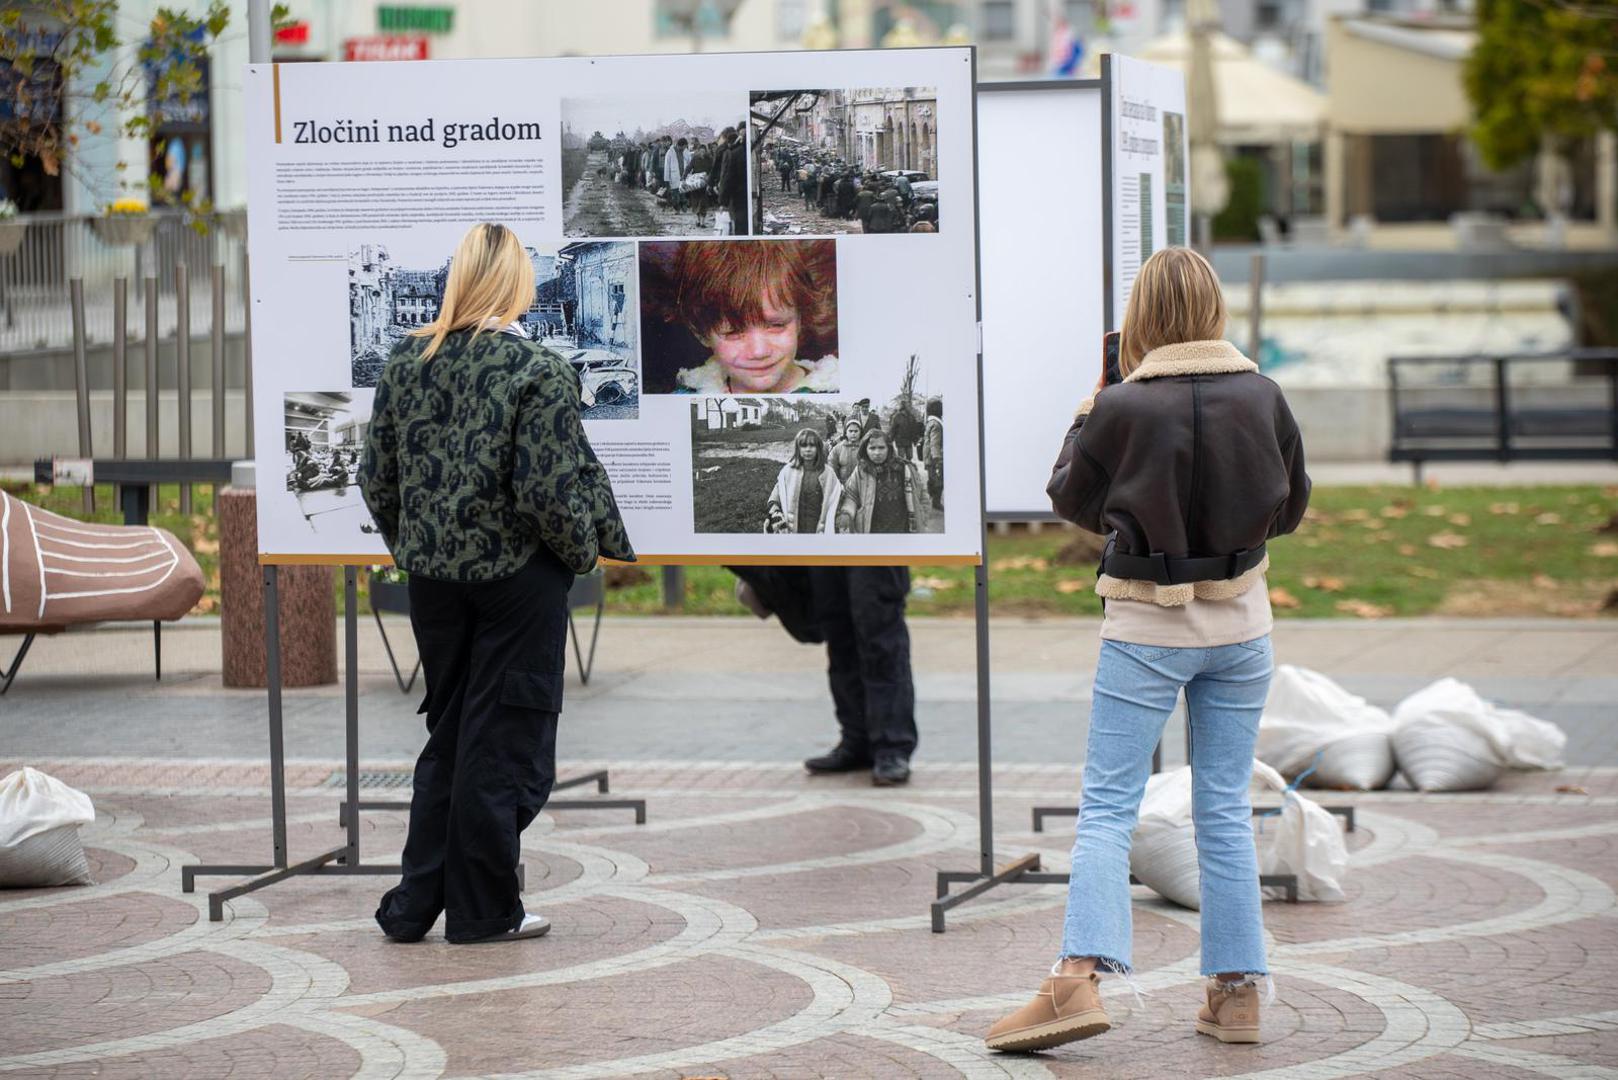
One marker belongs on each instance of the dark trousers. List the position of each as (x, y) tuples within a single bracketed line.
[(861, 612), (493, 653)]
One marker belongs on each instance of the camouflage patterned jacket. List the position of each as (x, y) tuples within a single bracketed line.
[(475, 458)]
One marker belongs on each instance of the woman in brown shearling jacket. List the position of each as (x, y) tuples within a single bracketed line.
[(1190, 464)]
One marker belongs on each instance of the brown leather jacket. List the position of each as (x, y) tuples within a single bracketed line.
[(1194, 454)]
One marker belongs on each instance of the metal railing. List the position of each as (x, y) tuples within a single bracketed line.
[(41, 254)]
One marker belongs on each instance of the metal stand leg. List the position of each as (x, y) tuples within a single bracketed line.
[(398, 676), (10, 674), (587, 665), (157, 648), (343, 861), (599, 779)]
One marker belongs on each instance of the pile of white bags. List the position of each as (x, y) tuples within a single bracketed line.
[(39, 832), (1447, 738), (1308, 714), (1442, 738), (1306, 841)]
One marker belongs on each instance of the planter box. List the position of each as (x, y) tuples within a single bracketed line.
[(11, 234), (124, 230), (391, 596)]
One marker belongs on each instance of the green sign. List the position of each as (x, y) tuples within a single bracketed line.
[(417, 20)]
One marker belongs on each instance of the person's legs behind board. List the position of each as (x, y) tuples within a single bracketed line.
[(1135, 690), (829, 602), (1224, 703), (440, 619), (507, 761), (876, 597)]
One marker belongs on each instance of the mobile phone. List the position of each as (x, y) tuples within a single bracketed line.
[(1109, 358)]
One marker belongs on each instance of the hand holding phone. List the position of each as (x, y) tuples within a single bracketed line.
[(1110, 372)]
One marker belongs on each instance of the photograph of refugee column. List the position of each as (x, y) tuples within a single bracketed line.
[(740, 317), (845, 161), (324, 436), (672, 164), (584, 311), (785, 465)]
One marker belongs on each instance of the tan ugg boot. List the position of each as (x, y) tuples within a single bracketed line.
[(1231, 1013), (1066, 1009)]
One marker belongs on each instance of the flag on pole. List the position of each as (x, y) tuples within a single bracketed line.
[(1066, 50)]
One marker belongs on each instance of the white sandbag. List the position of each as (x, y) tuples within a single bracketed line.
[(1305, 841), (1437, 754), (39, 831), (1517, 740), (1163, 852), (1309, 720)]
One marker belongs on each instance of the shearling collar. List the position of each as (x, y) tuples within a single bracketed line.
[(1191, 358)]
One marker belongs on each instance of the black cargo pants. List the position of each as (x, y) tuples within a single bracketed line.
[(493, 653)]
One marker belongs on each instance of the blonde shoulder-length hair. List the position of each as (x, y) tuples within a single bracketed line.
[(1176, 298), (491, 282)]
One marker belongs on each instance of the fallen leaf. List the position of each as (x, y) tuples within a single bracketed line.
[(1071, 586), (1422, 572), (205, 605), (1324, 584), (1548, 519), (1363, 609), (1570, 789), (1434, 511), (1356, 514), (1020, 562), (1280, 598), (1447, 540), (1395, 511), (1407, 549), (203, 546), (937, 584), (1544, 581), (1375, 524), (1604, 550), (1503, 508), (1432, 483), (1460, 520)]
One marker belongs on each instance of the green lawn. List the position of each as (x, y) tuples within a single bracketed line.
[(1363, 552)]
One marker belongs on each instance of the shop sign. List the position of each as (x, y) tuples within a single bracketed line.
[(419, 20), (385, 48)]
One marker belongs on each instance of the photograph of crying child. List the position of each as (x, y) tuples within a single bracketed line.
[(739, 317)]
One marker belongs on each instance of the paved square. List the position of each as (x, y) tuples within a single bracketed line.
[(764, 924)]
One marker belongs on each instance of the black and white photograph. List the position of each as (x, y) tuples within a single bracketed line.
[(584, 310), (785, 465), (833, 162), (740, 317), (1174, 171), (324, 438), (666, 165)]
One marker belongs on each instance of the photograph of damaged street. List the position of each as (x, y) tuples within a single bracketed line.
[(654, 166), (831, 162)]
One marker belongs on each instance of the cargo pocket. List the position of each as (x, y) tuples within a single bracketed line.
[(540, 691)]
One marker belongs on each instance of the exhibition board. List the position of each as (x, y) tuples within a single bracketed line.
[(1148, 205), (363, 178), (1043, 316)]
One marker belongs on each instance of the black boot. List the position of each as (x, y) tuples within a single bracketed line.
[(890, 770), (840, 758)]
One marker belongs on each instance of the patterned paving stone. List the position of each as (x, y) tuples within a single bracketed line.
[(766, 924)]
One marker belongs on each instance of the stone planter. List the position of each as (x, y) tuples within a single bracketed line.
[(390, 596), (124, 230), (11, 234)]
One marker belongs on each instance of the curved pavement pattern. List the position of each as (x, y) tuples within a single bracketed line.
[(767, 925)]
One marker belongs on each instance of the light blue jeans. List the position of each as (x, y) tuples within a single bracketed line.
[(1135, 691)]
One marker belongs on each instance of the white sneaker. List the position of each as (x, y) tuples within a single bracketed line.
[(532, 926)]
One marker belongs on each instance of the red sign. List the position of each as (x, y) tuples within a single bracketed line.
[(293, 34), (385, 48)]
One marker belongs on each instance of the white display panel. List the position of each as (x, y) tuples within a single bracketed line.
[(1042, 292), (1151, 205), (363, 178)]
